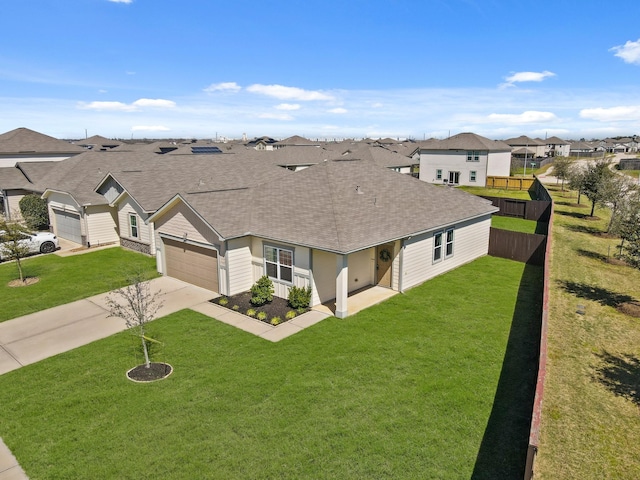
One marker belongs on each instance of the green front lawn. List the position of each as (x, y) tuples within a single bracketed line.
[(66, 279), (435, 383)]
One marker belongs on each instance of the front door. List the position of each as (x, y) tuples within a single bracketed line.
[(384, 259)]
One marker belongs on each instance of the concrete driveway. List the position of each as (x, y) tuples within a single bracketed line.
[(28, 339)]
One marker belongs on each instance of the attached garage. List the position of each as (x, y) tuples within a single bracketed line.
[(68, 226), (192, 263)]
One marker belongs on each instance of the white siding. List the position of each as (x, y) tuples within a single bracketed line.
[(101, 225), (301, 272), (499, 165), (361, 269), (110, 189), (145, 232), (181, 221), (324, 277), (471, 240), (239, 265), (453, 161)]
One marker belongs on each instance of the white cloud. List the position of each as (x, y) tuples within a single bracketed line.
[(530, 116), (288, 106), (121, 1), (107, 106), (150, 128), (154, 102), (275, 116), (519, 77), (631, 112), (288, 93), (338, 110), (629, 52), (223, 87), (127, 107)]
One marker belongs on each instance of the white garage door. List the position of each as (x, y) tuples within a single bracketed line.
[(192, 264), (68, 226)]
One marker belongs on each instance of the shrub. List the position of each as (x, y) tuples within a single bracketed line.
[(261, 316), (299, 297), (223, 301), (290, 314), (235, 307), (34, 211), (251, 312), (276, 321), (262, 291)]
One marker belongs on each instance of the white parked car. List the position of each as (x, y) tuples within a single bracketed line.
[(37, 242)]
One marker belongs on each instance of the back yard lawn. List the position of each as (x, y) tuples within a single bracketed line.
[(66, 279), (436, 383)]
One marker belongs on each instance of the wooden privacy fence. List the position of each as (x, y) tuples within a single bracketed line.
[(537, 210), (510, 183), (521, 247)]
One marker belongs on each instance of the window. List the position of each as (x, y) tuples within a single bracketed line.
[(473, 156), (454, 178), (448, 248), (133, 225), (439, 238), (279, 263), (439, 174), (472, 176), (437, 247)]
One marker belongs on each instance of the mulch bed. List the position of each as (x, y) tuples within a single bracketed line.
[(27, 281), (278, 307), (156, 371)]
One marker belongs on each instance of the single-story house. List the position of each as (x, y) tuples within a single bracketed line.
[(463, 159), (337, 226)]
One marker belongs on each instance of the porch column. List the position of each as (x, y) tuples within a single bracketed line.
[(342, 285)]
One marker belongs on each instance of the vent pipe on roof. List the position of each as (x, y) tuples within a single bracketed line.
[(358, 190)]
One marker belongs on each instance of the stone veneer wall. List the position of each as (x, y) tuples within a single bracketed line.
[(135, 246)]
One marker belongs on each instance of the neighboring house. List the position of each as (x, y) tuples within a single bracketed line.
[(18, 181), (524, 146), (98, 143), (76, 212), (295, 141), (583, 148), (337, 226), (464, 159), (24, 145), (556, 147)]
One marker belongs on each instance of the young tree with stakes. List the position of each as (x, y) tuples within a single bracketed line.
[(137, 306)]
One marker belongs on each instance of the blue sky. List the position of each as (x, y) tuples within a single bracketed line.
[(321, 69)]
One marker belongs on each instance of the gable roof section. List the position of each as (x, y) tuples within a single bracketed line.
[(346, 206), (466, 141), (340, 206), (23, 140), (523, 141)]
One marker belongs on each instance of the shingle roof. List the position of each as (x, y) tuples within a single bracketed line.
[(555, 141), (321, 207), (523, 141), (23, 140), (466, 141)]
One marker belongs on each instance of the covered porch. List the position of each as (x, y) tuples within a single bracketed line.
[(359, 300)]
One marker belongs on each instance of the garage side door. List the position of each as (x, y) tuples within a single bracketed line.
[(192, 264), (68, 226)]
